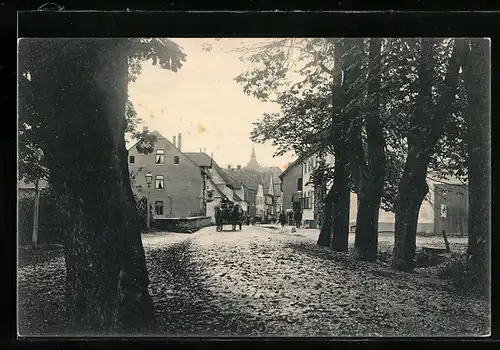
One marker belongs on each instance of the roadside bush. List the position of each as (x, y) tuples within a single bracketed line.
[(464, 277)]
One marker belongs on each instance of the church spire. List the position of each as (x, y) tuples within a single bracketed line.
[(253, 163)]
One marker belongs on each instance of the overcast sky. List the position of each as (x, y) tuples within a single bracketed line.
[(204, 103)]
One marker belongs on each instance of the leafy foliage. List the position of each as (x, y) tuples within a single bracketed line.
[(36, 54), (297, 74)]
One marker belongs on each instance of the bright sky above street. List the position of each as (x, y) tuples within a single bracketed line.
[(204, 103)]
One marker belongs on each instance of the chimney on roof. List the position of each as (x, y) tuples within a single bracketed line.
[(173, 138), (229, 166), (179, 142), (145, 128), (239, 167)]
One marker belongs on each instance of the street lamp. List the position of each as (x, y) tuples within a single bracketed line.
[(149, 180)]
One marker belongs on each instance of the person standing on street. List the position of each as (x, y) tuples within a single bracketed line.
[(282, 220), (298, 217)]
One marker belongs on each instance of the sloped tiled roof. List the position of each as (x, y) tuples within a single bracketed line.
[(200, 158), (275, 170), (203, 159), (295, 163), (228, 179), (248, 177)]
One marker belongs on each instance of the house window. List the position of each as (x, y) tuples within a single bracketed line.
[(131, 159), (299, 184), (176, 160), (159, 208), (305, 168), (160, 156), (159, 182), (306, 202)]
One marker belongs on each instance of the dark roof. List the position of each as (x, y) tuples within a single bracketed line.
[(203, 159), (200, 158), (275, 170), (225, 176), (248, 177), (293, 165)]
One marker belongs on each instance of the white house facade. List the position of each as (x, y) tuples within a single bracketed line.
[(429, 218)]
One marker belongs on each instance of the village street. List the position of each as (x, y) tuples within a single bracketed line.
[(259, 281)]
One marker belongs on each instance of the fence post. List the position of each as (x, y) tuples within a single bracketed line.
[(447, 245)]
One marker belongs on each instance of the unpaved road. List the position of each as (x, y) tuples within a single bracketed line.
[(261, 282)]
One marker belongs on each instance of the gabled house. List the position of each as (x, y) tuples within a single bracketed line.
[(178, 185), (291, 186), (231, 189)]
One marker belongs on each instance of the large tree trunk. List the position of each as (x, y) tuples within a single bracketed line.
[(107, 280), (477, 86), (412, 190), (325, 235), (371, 181), (341, 204), (426, 127), (341, 196)]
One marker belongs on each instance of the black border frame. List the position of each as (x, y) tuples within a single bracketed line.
[(238, 24)]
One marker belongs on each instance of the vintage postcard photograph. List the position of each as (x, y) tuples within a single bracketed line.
[(262, 187)]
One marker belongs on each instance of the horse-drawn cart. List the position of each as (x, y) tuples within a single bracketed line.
[(228, 213)]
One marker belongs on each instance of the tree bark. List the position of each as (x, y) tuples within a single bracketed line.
[(426, 127), (341, 203), (325, 235), (371, 180), (341, 196), (477, 87), (107, 280)]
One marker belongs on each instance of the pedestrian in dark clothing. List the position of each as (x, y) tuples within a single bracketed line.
[(282, 220), (298, 218)]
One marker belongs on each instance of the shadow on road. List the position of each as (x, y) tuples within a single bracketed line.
[(184, 306), (379, 269)]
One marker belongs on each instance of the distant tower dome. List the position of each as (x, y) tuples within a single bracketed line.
[(253, 163)]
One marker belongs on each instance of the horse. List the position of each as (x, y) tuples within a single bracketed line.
[(219, 218), (235, 217)]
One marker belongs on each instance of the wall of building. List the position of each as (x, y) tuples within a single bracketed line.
[(308, 192), (289, 186), (251, 202), (260, 205), (183, 182), (426, 221)]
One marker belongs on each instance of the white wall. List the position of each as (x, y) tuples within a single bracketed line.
[(386, 219), (260, 204), (308, 190)]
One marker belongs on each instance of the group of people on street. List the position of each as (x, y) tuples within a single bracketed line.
[(229, 213), (297, 218)]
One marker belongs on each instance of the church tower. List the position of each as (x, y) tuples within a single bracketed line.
[(253, 163)]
